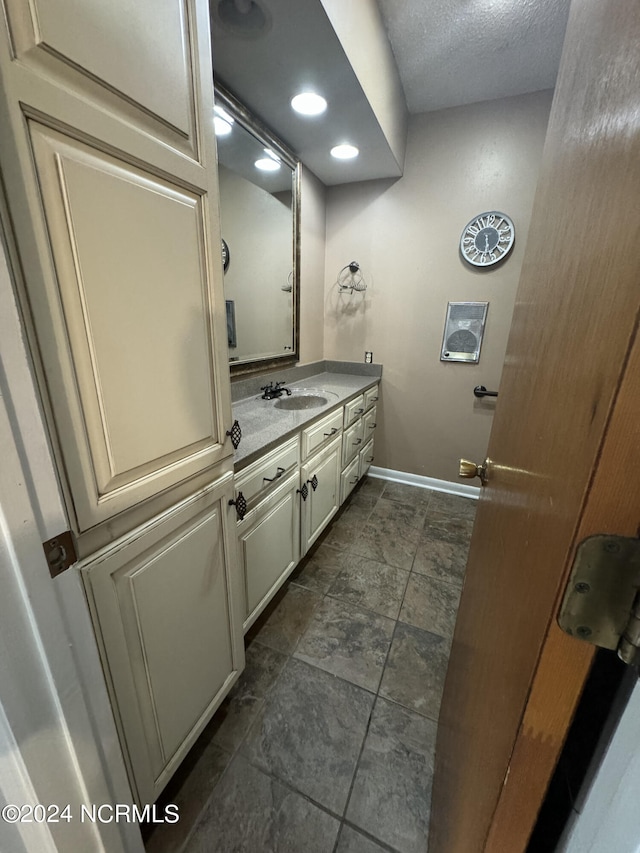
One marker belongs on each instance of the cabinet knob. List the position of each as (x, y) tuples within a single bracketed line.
[(359, 411), (333, 431), (304, 491), (314, 482), (357, 441), (240, 504), (372, 426), (235, 433)]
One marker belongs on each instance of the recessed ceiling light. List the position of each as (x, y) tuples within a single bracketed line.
[(309, 104), (344, 152), (267, 164)]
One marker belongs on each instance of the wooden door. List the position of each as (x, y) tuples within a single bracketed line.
[(108, 154), (563, 449)]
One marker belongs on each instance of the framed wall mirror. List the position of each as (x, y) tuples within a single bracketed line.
[(260, 221)]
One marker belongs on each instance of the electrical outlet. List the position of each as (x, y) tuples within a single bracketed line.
[(368, 358)]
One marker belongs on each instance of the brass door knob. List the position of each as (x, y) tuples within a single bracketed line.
[(469, 470)]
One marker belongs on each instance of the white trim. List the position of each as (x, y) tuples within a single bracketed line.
[(432, 483)]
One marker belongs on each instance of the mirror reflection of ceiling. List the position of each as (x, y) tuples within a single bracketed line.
[(239, 150), (448, 53)]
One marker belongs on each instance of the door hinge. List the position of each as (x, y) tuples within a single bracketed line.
[(60, 553), (602, 601)]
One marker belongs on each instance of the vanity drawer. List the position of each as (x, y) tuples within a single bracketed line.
[(369, 421), (352, 441), (314, 436), (260, 478), (353, 409), (366, 457), (349, 478), (371, 396)]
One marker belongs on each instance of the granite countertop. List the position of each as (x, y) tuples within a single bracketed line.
[(264, 426)]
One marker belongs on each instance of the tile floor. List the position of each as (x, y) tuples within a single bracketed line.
[(326, 743)]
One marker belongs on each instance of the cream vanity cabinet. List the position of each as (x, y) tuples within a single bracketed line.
[(166, 600), (320, 487), (286, 498), (357, 446), (108, 156), (268, 510)]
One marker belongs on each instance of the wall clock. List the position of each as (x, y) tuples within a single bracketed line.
[(226, 257), (487, 239)]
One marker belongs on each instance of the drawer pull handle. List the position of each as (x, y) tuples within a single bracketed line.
[(333, 431), (357, 441), (359, 411), (314, 482), (235, 433), (240, 504), (351, 482), (372, 426), (370, 459), (374, 399), (304, 491), (279, 473)]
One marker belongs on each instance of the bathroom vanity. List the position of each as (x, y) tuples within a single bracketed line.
[(294, 469)]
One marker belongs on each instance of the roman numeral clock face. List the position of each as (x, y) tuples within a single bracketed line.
[(487, 239)]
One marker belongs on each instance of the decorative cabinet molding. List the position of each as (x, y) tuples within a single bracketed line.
[(321, 474), (167, 610), (108, 156)]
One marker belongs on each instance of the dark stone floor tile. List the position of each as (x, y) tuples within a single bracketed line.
[(310, 732), (348, 642), (441, 560), (416, 669), (392, 790), (320, 568), (431, 604), (366, 493), (455, 506), (351, 841), (343, 530), (440, 525), (240, 708), (407, 494), (189, 789), (251, 812), (370, 584), (411, 514), (387, 541), (286, 620)]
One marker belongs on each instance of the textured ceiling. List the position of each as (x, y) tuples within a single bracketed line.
[(453, 52)]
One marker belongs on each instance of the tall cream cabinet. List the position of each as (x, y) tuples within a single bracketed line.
[(108, 162)]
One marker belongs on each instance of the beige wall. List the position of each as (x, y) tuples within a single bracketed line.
[(312, 249), (405, 234)]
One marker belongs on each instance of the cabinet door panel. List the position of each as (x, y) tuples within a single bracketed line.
[(270, 548), (139, 343), (106, 48), (170, 630), (323, 502)]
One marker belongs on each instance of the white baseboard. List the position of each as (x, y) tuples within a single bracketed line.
[(462, 489)]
